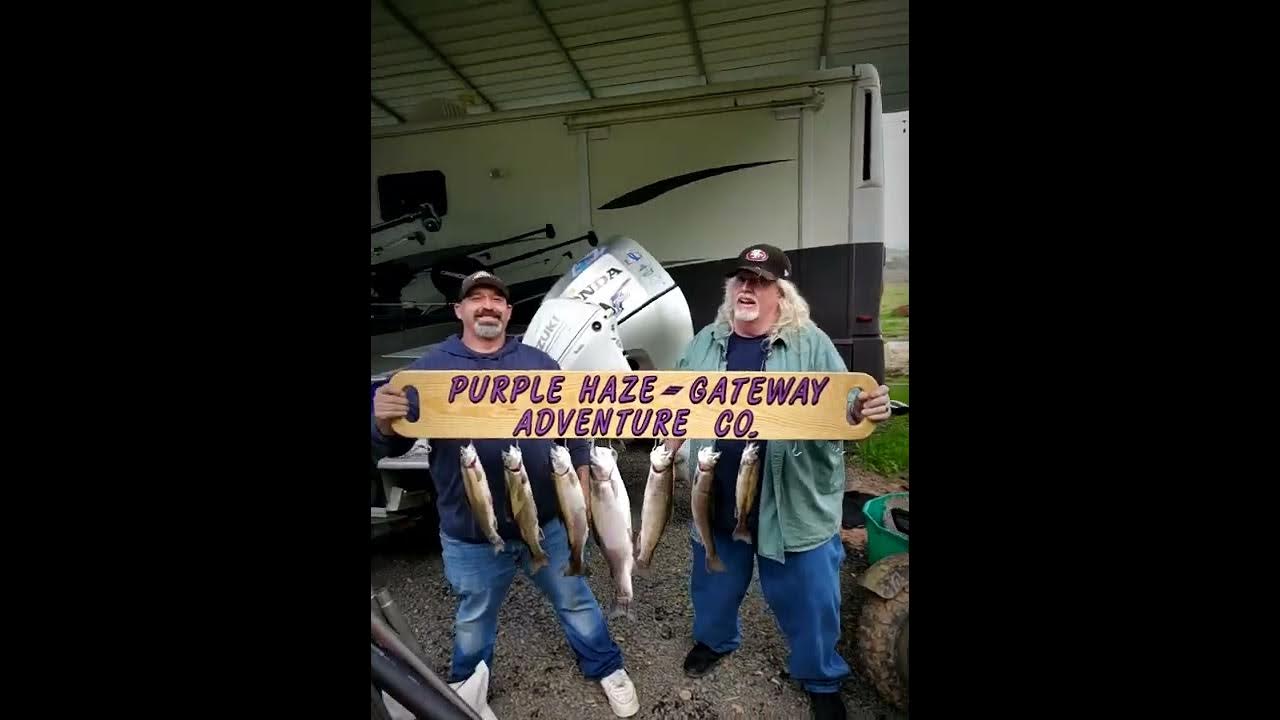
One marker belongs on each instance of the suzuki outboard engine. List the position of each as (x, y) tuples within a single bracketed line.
[(616, 309)]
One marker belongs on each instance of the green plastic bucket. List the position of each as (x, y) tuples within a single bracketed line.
[(882, 541)]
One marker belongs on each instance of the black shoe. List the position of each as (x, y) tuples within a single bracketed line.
[(826, 706), (701, 659)]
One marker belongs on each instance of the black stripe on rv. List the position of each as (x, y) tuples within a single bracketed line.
[(652, 190)]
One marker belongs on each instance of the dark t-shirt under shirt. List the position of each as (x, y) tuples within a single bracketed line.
[(744, 355)]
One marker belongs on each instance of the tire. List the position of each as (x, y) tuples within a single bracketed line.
[(883, 629)]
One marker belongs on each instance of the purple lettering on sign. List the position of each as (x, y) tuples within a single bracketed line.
[(722, 423), (564, 421), (740, 428), (628, 385), (738, 384), (533, 392), (722, 387), (500, 384), (526, 422), (622, 418), (542, 428), (553, 389), (520, 384), (584, 417), (818, 386), (660, 420), (482, 386), (802, 393), (698, 389), (601, 425), (646, 389), (677, 427), (757, 385), (779, 388), (638, 426), (456, 385), (610, 389), (588, 392)]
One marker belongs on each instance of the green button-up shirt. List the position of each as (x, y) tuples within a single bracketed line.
[(802, 487)]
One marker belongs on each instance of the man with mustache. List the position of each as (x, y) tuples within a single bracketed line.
[(763, 325), (479, 578)]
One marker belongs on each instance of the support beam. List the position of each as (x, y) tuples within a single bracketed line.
[(409, 27), (537, 7), (693, 40), (386, 109), (825, 43)]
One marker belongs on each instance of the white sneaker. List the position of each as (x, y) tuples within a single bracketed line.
[(621, 693)]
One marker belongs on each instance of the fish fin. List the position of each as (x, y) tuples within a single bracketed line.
[(714, 564), (621, 609), (743, 534), (537, 563)]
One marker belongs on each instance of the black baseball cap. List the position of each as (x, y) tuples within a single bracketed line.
[(766, 261), (483, 278)]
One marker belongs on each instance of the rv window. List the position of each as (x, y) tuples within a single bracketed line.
[(402, 193), (866, 137)]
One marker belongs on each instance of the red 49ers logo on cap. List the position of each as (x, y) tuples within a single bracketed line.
[(757, 255)]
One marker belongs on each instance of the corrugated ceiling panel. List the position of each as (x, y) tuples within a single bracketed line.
[(775, 9), (498, 89), (438, 16), (645, 77), (618, 21), (805, 18), (527, 72), (746, 51), (870, 21), (628, 46), (401, 57), (860, 37), (869, 45), (866, 7), (774, 70), (494, 42), (684, 61), (416, 90), (754, 39), (891, 58), (419, 8), (466, 60), (501, 99), (807, 55), (412, 80), (601, 37), (524, 62), (520, 26), (545, 100), (383, 121), (587, 11), (416, 66), (652, 86), (679, 47), (398, 43), (708, 6)]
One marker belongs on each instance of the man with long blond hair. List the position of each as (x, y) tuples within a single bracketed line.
[(763, 325)]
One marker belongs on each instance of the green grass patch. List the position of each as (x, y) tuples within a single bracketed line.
[(886, 451), (891, 326)]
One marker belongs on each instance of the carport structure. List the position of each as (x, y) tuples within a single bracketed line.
[(435, 59)]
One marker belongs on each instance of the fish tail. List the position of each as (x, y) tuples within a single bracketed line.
[(537, 563), (714, 564)]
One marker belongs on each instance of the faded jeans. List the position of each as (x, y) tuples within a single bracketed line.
[(481, 580)]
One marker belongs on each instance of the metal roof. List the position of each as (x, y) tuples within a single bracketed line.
[(433, 59)]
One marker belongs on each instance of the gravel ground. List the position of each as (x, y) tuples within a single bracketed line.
[(534, 673)]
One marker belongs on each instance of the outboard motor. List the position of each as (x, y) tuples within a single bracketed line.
[(643, 317)]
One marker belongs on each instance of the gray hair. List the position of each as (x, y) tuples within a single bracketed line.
[(793, 310)]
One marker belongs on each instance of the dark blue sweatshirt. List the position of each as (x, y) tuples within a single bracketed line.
[(456, 519)]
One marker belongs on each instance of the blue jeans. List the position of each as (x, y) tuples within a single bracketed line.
[(803, 593), (481, 580)]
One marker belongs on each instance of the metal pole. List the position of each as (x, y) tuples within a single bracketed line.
[(398, 622), (417, 698), (386, 637)]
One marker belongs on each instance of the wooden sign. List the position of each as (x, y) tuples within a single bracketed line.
[(655, 404)]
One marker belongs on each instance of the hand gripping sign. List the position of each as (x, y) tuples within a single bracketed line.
[(518, 404)]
